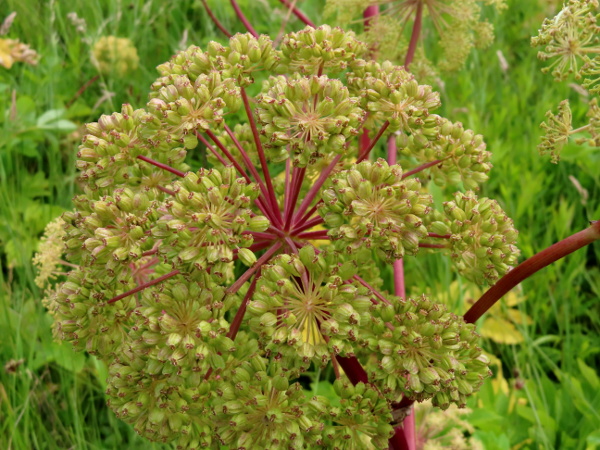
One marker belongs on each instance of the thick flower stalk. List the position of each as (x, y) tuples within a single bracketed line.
[(210, 291)]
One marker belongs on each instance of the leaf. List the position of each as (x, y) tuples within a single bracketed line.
[(61, 125), (593, 440), (501, 331), (492, 441), (589, 374), (65, 357), (516, 316), (53, 120), (49, 116)]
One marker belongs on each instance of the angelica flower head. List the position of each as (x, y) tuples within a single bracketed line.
[(203, 288)]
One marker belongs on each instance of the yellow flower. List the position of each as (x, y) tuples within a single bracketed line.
[(12, 51), (115, 55)]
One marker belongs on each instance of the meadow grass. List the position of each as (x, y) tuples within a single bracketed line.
[(54, 398)]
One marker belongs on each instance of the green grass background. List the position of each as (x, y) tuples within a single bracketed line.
[(54, 399)]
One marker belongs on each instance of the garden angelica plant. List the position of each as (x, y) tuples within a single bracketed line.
[(204, 289), (209, 291)]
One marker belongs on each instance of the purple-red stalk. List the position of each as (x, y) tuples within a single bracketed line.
[(309, 224), (243, 19), (261, 202), (404, 434), (297, 180), (374, 291), (440, 236), (239, 315), (368, 14), (531, 266), (414, 38), (165, 190), (426, 245), (286, 193), (307, 216), (257, 265), (215, 20), (423, 167), (148, 264), (160, 165), (261, 154), (364, 141), (276, 231), (353, 369), (320, 234), (314, 190), (245, 157), (260, 245), (260, 235), (237, 166), (365, 154), (81, 90), (141, 287), (299, 14)]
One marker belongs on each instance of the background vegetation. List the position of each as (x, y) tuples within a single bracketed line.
[(546, 389)]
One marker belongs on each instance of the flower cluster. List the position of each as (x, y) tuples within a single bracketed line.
[(209, 292), (571, 37), (458, 24), (370, 205), (113, 55), (454, 155), (424, 352), (482, 237)]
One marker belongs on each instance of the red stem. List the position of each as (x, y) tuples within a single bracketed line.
[(239, 315), (259, 201), (215, 20), (309, 224), (258, 234), (243, 19), (297, 179), (81, 90), (531, 266), (257, 265), (368, 14), (422, 167), (353, 369), (365, 154), (166, 167), (364, 141), (245, 157), (426, 245), (165, 190), (299, 14), (399, 441), (307, 216), (441, 236), (320, 234), (148, 264), (260, 245), (144, 286), (261, 154), (372, 289), (221, 159), (414, 38), (314, 190), (404, 434)]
